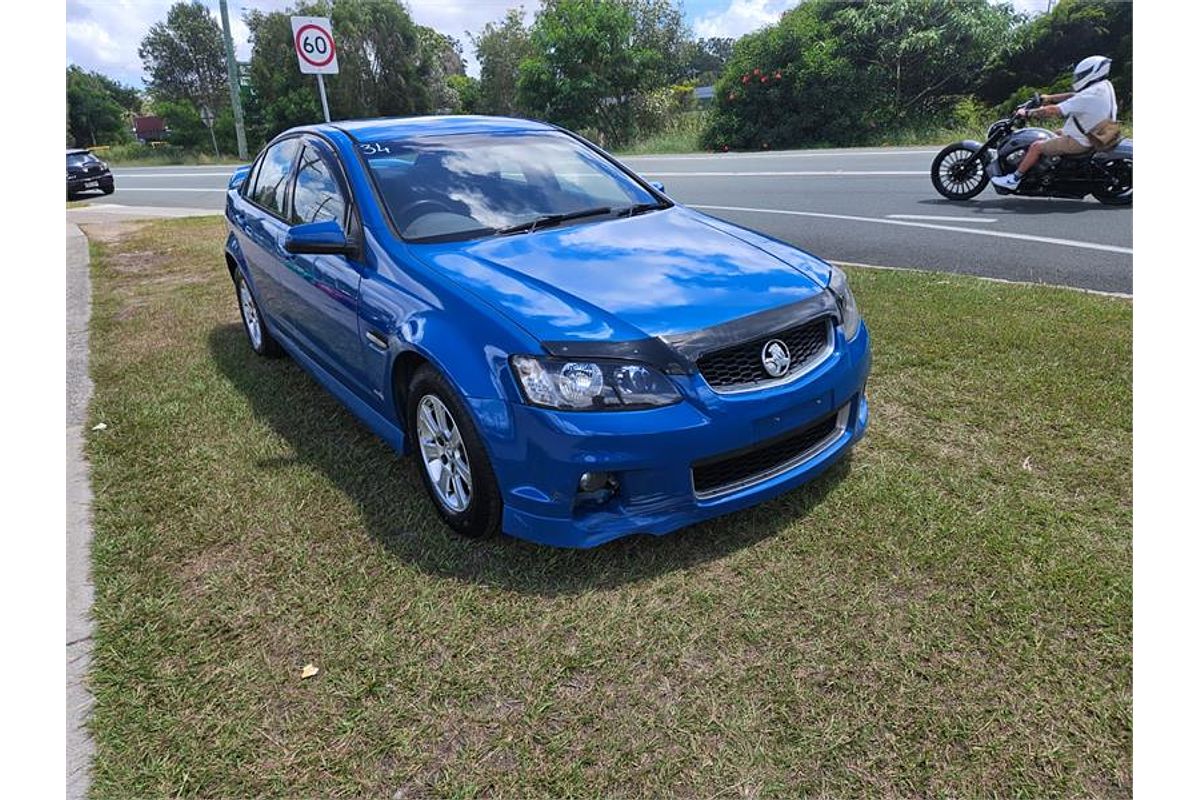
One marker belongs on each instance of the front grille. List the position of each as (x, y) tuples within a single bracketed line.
[(741, 367), (732, 471)]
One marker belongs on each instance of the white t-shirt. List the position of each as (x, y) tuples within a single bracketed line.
[(1087, 109)]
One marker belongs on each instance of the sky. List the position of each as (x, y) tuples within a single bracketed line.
[(103, 35)]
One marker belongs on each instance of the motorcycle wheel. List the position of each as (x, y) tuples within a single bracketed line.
[(1120, 191), (953, 177)]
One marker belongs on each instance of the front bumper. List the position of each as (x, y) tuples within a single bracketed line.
[(539, 455)]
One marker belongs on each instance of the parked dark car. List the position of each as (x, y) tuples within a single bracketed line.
[(87, 173)]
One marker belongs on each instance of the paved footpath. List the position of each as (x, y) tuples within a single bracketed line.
[(79, 508)]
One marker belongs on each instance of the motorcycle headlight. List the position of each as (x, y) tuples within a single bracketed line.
[(848, 309), (570, 385)]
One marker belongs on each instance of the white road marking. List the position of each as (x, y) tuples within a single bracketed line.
[(160, 189), (940, 219), (839, 173), (739, 156), (1121, 295), (1108, 248)]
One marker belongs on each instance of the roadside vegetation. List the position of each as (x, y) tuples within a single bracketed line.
[(946, 613), (622, 72)]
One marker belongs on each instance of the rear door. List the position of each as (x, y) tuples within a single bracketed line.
[(321, 292)]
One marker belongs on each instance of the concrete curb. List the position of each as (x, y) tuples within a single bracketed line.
[(79, 518)]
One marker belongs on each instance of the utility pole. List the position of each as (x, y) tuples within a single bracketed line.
[(235, 90)]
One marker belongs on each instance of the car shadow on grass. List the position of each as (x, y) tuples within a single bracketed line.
[(396, 511)]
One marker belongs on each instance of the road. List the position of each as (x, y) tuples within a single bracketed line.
[(865, 206)]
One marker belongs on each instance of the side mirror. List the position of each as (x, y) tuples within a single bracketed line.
[(658, 186), (319, 238)]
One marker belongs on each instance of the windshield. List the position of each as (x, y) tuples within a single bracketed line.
[(469, 185), (80, 159)]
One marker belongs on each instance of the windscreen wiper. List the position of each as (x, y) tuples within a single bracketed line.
[(553, 219), (637, 208)]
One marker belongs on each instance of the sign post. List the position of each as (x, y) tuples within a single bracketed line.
[(316, 52), (208, 118)]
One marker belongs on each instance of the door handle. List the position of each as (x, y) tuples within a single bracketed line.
[(377, 339)]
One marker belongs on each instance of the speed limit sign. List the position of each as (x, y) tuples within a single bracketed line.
[(313, 37)]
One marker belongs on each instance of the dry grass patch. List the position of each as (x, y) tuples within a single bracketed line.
[(946, 613)]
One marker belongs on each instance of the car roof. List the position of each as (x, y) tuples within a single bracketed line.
[(400, 128)]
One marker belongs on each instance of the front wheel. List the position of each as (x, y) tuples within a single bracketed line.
[(1118, 191), (454, 465), (956, 174)]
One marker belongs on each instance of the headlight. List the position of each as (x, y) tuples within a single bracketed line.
[(592, 385), (845, 301)]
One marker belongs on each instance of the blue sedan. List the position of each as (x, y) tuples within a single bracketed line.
[(571, 356)]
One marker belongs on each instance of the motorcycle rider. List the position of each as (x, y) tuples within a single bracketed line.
[(1093, 101)]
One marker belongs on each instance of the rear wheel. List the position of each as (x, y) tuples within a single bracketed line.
[(260, 338), (454, 465), (1119, 189), (955, 175)]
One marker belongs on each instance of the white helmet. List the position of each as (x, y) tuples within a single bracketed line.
[(1090, 70)]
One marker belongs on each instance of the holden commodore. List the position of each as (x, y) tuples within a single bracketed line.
[(570, 355)]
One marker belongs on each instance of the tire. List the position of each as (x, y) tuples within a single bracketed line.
[(1122, 193), (946, 185), (475, 512), (108, 189), (261, 340)]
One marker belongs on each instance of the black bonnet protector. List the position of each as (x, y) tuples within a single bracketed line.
[(677, 354)]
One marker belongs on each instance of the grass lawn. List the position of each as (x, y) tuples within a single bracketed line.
[(947, 613)]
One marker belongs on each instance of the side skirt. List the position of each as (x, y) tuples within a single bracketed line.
[(380, 425)]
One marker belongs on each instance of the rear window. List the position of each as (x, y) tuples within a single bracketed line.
[(80, 159)]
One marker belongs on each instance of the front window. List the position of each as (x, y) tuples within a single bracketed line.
[(461, 186)]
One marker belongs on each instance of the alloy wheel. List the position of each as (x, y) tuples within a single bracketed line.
[(250, 315), (443, 454)]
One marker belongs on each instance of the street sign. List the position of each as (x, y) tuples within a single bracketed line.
[(313, 38)]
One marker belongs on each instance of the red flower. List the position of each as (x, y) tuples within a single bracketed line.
[(731, 96), (778, 75), (757, 71), (725, 148), (763, 79), (745, 78)]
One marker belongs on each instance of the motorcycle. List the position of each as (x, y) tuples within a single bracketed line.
[(964, 169)]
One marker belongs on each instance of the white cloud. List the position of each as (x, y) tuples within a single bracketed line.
[(104, 35), (741, 17)]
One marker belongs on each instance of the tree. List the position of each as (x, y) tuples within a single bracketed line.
[(1045, 50), (841, 73), (500, 48), (707, 57), (467, 90), (96, 108), (441, 57), (920, 51), (185, 57), (591, 60), (386, 67)]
